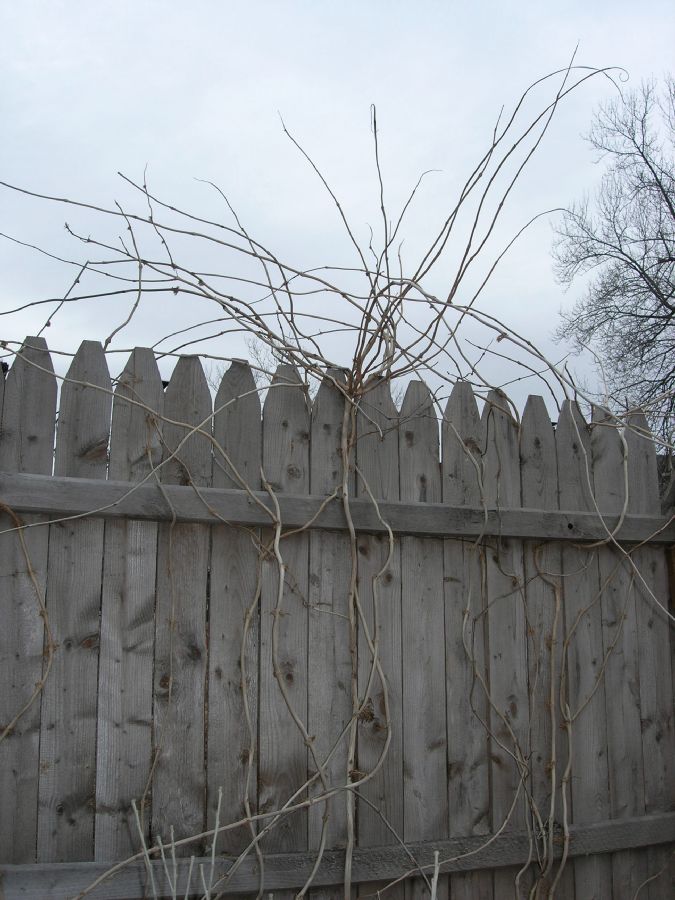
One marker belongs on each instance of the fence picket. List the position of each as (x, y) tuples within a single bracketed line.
[(425, 779), (179, 783), (654, 658), (234, 577), (377, 459), (509, 709), (468, 766), (545, 629), (69, 700), (26, 445), (585, 689), (283, 751), (619, 630), (124, 742), (329, 660)]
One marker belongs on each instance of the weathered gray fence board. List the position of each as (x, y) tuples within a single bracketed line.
[(467, 564), (425, 773), (545, 631), (507, 641), (124, 740), (61, 882), (26, 445), (114, 500), (329, 657), (178, 786), (380, 595), (233, 611), (619, 632), (468, 758), (654, 658), (283, 632), (583, 625), (68, 720)]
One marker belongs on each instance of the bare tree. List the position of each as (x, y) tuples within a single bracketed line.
[(625, 239)]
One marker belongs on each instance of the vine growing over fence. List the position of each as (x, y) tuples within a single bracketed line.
[(396, 329)]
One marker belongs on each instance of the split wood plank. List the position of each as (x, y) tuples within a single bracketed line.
[(69, 700), (283, 766), (179, 782), (380, 596), (125, 720), (585, 688), (425, 778), (465, 624), (234, 615), (507, 662), (653, 633), (285, 871), (545, 630), (329, 657), (620, 644), (26, 445)]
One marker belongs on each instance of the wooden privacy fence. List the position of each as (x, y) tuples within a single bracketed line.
[(158, 645)]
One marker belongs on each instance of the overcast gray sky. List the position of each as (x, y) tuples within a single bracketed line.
[(194, 91)]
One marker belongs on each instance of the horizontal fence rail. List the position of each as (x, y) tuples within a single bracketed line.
[(421, 630), (60, 881), (54, 496)]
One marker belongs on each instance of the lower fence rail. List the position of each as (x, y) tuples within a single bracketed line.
[(284, 871)]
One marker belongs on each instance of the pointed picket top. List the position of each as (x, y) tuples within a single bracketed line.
[(501, 478), (418, 446), (377, 446), (286, 432), (187, 400), (643, 478), (237, 428), (83, 428), (29, 411), (538, 468), (327, 417), (462, 447), (135, 443), (575, 464), (608, 461)]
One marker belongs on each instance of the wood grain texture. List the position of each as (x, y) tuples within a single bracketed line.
[(285, 871), (425, 790), (234, 576), (507, 662), (283, 753), (119, 499), (68, 721), (329, 657), (654, 656), (467, 710), (584, 652), (124, 739), (26, 445), (380, 595), (548, 752), (179, 783), (620, 644)]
